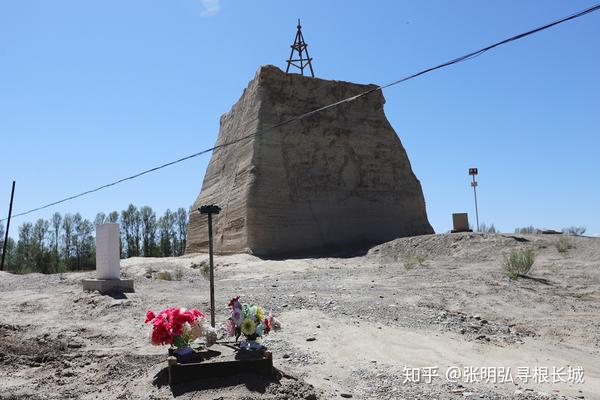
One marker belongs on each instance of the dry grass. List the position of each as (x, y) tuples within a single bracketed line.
[(412, 260), (564, 245), (518, 262)]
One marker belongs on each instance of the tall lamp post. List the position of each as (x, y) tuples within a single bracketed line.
[(210, 210), (473, 172)]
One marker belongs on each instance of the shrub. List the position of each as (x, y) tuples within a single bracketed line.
[(205, 270), (412, 260), (487, 229), (203, 267), (564, 245), (527, 229), (574, 230), (164, 275), (178, 274), (518, 262)]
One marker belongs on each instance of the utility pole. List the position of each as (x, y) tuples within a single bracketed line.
[(210, 210), (12, 195), (473, 172)]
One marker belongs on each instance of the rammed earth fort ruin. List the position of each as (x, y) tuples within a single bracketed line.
[(336, 180)]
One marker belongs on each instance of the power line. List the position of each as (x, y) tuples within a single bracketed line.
[(318, 110)]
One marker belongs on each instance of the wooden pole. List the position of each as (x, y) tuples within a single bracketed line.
[(210, 210), (212, 271), (12, 195), (474, 184)]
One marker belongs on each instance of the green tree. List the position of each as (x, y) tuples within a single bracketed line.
[(84, 243), (182, 223), (24, 261), (166, 233), (40, 251), (100, 218), (148, 221), (131, 229), (113, 217), (67, 240), (56, 259)]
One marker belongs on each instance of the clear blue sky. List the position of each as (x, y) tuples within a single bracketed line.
[(91, 91)]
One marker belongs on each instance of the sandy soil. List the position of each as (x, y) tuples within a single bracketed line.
[(373, 322)]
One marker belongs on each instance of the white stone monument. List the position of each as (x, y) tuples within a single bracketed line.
[(108, 268)]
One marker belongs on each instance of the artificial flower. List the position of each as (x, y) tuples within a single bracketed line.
[(260, 314), (248, 327), (251, 312), (233, 301), (176, 326), (230, 327), (249, 319), (149, 316), (237, 316), (260, 329)]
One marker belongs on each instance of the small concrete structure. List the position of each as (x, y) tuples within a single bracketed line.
[(108, 268), (460, 223)]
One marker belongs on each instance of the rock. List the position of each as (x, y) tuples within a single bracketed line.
[(346, 395), (311, 339), (335, 179), (286, 355)]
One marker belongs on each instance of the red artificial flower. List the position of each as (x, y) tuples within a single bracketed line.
[(170, 322), (149, 316), (267, 323), (233, 300)]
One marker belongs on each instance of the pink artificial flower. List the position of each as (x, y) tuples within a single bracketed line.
[(230, 326), (170, 323)]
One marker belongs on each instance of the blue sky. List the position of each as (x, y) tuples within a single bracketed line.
[(92, 91)]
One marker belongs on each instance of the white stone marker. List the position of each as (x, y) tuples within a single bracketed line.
[(107, 251), (108, 267)]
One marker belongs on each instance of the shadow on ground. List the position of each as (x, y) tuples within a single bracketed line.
[(253, 382)]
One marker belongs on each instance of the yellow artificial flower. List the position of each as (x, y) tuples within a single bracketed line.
[(260, 314), (248, 327)]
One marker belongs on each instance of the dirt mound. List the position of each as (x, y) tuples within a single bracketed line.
[(456, 245), (17, 348)]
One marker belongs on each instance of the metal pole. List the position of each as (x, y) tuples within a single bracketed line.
[(474, 184), (212, 271), (12, 195)]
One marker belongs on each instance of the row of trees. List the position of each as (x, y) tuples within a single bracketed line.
[(67, 242)]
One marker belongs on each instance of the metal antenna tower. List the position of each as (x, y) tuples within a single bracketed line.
[(301, 47)]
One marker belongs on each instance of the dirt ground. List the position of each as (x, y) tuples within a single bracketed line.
[(363, 327)]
